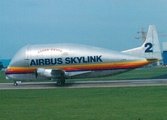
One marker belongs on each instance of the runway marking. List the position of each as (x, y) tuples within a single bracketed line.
[(85, 84)]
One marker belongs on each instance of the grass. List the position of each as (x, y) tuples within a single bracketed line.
[(88, 103), (131, 103), (140, 73), (3, 78), (143, 73)]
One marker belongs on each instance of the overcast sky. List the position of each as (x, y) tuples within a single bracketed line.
[(111, 24)]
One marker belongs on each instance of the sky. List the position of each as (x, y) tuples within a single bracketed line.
[(110, 24)]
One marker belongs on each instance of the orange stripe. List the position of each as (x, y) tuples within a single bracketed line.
[(96, 66)]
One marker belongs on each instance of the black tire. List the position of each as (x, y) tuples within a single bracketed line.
[(63, 81), (60, 82)]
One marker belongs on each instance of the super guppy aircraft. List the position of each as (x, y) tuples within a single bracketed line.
[(58, 62)]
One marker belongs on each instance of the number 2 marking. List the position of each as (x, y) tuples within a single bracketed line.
[(148, 47)]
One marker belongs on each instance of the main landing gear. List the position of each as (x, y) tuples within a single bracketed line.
[(61, 82)]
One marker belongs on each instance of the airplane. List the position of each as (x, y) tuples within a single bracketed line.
[(58, 62)]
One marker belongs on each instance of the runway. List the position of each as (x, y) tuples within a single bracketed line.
[(85, 84)]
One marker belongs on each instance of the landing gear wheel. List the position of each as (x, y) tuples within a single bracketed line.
[(60, 82), (15, 83)]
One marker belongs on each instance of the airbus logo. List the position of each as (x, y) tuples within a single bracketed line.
[(67, 60)]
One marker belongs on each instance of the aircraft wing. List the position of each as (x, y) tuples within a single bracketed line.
[(58, 73), (71, 74)]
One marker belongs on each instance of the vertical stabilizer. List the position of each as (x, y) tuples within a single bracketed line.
[(150, 48)]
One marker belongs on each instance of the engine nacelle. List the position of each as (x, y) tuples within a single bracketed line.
[(50, 73), (44, 72)]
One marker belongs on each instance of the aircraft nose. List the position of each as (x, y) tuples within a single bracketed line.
[(20, 58)]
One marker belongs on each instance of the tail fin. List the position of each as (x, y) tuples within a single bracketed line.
[(150, 48)]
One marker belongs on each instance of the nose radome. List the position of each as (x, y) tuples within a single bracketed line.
[(20, 58)]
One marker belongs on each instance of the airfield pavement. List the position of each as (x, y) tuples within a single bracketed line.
[(85, 84)]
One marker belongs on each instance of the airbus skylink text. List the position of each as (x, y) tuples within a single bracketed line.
[(67, 60)]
